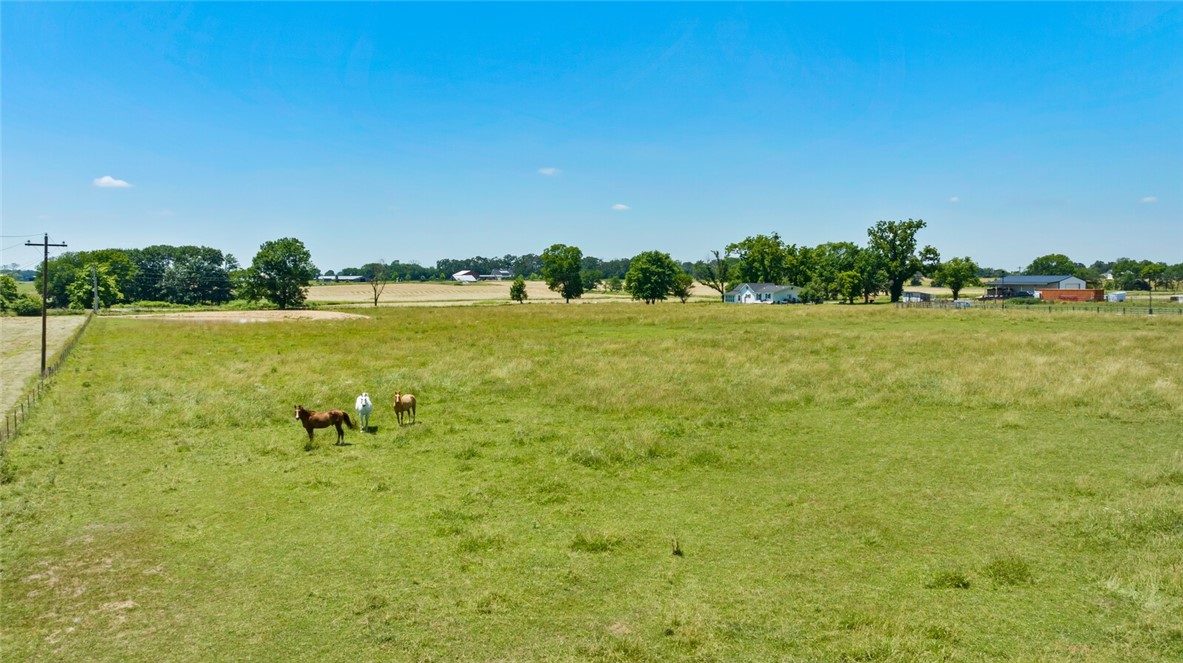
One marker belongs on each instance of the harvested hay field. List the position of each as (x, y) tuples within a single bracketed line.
[(452, 294), (22, 350)]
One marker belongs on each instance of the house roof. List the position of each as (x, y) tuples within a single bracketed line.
[(1034, 279), (759, 288)]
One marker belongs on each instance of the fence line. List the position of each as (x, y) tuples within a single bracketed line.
[(1051, 308), (19, 413)]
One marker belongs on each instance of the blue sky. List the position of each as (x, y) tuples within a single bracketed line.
[(419, 131)]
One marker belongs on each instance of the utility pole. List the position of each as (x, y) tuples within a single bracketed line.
[(44, 292)]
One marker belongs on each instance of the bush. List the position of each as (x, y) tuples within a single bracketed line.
[(811, 295), (1026, 301), (27, 304)]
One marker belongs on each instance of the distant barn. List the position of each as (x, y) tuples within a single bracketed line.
[(1061, 288), (466, 276)]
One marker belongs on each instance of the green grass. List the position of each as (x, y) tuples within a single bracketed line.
[(842, 483)]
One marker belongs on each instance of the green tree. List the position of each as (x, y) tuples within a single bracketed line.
[(651, 276), (1153, 274), (683, 286), (849, 285), (956, 273), (869, 265), (895, 241), (28, 304), (590, 278), (67, 267), (1055, 264), (1174, 275), (197, 275), (614, 284), (280, 272), (560, 270), (829, 261), (8, 292), (1052, 264), (81, 289), (517, 291), (762, 259), (715, 272)]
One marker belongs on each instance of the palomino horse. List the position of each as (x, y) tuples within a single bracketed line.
[(364, 407), (404, 403), (313, 419)]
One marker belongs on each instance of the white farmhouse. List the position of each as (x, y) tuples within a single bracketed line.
[(762, 293)]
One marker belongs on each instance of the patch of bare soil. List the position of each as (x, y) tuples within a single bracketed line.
[(247, 316)]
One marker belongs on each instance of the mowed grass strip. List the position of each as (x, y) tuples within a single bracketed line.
[(858, 483), (20, 359)]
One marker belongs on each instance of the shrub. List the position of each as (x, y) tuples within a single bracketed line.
[(27, 304)]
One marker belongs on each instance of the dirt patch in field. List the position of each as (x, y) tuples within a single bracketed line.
[(246, 316)]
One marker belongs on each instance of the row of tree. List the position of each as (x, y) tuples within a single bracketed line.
[(279, 273), (281, 270), (528, 266)]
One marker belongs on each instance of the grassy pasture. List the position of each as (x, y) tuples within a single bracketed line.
[(843, 483)]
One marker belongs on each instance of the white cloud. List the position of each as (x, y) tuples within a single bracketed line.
[(954, 199), (621, 208), (1150, 199), (108, 182), (549, 171)]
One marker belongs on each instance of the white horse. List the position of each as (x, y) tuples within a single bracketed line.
[(364, 407)]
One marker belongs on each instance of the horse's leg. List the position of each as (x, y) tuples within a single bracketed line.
[(309, 429), (340, 434), (413, 416)]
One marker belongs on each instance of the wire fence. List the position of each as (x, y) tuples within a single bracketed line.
[(15, 418), (1049, 309)]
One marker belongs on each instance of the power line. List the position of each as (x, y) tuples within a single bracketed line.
[(44, 292)]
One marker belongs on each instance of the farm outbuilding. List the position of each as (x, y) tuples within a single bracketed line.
[(466, 276), (762, 293), (1028, 285), (914, 296)]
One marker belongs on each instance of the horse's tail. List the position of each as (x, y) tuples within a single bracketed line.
[(349, 422)]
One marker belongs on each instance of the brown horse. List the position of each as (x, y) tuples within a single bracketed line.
[(404, 403), (313, 419)]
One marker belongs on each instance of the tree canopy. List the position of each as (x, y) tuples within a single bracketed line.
[(652, 276), (561, 267), (762, 259), (280, 272), (957, 273), (895, 242)]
